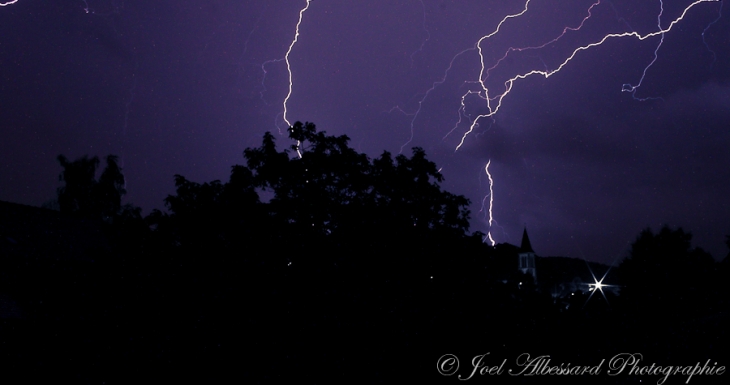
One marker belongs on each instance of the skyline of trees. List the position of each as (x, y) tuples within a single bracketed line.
[(331, 250), (84, 196)]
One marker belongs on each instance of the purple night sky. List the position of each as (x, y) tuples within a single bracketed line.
[(183, 87)]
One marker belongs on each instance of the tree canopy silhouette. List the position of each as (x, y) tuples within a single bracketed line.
[(323, 195), (319, 245), (664, 273), (83, 195)]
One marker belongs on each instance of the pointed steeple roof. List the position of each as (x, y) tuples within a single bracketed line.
[(526, 246)]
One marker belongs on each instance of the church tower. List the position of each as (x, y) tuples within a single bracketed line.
[(527, 256)]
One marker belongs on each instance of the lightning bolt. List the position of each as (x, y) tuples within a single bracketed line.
[(263, 84), (514, 49), (491, 203), (719, 16), (255, 27), (289, 71), (288, 64), (494, 102), (439, 82), (632, 89), (425, 29), (482, 77), (8, 3), (479, 45), (509, 83), (493, 99), (461, 112)]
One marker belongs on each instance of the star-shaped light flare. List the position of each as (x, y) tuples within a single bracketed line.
[(597, 284)]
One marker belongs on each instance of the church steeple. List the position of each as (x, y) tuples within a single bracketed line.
[(527, 256), (526, 246)]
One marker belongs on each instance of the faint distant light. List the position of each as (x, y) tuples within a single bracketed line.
[(289, 264), (432, 277)]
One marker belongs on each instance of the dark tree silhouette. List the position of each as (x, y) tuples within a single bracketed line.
[(664, 274), (324, 198), (79, 176), (83, 195), (319, 245), (332, 188), (110, 189)]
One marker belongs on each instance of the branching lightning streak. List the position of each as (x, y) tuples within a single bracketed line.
[(255, 26), (241, 67), (8, 3), (631, 88), (428, 34), (510, 82), (263, 83), (618, 17), (420, 102), (494, 100), (461, 112), (482, 78), (481, 53), (565, 30), (442, 80), (719, 16)]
